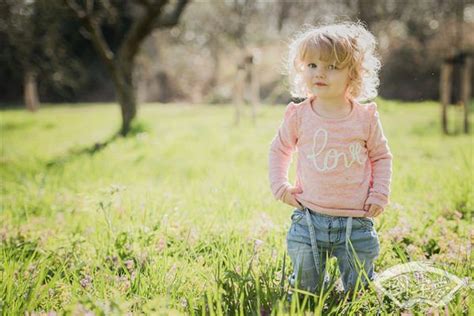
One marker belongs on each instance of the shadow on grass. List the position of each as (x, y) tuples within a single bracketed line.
[(136, 128), (79, 152)]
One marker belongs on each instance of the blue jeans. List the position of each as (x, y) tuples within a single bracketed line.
[(314, 237)]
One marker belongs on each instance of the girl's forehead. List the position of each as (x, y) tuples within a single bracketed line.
[(325, 49), (317, 49), (313, 54)]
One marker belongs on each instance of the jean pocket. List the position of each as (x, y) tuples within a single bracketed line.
[(366, 223), (297, 216)]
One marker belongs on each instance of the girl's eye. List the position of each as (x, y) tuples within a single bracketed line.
[(331, 67), (312, 65)]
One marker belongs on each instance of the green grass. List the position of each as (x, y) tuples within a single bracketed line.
[(179, 218)]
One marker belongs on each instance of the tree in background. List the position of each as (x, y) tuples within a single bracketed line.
[(33, 54), (201, 51), (141, 17)]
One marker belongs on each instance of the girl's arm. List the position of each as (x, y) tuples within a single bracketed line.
[(281, 150), (381, 162)]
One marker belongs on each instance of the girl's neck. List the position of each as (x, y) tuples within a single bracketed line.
[(331, 108)]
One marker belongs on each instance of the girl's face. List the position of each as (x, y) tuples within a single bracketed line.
[(324, 79)]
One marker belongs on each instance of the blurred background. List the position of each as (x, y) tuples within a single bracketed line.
[(47, 45)]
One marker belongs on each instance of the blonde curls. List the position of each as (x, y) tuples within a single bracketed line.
[(348, 44)]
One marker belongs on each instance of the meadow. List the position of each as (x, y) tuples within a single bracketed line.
[(178, 218)]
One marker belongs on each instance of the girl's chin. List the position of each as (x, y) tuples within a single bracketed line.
[(316, 89), (319, 93)]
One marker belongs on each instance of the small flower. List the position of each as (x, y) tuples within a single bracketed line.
[(265, 224), (123, 282), (130, 265), (31, 272), (86, 281), (257, 245), (116, 188), (457, 214), (143, 258), (82, 310), (142, 136), (274, 253), (397, 206), (414, 251), (399, 232), (112, 261), (193, 236), (171, 274), (161, 244), (32, 268)]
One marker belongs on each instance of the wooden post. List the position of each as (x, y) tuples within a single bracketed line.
[(238, 92), (466, 91), (445, 92), (255, 91), (246, 87), (30, 93), (251, 84)]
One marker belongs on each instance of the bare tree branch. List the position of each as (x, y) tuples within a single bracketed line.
[(93, 27), (76, 8), (171, 19), (89, 6), (145, 3), (140, 29)]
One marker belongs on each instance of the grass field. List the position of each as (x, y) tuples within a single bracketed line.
[(179, 218)]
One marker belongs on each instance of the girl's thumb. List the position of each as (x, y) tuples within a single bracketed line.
[(295, 190)]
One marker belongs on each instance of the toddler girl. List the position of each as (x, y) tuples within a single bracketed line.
[(344, 164)]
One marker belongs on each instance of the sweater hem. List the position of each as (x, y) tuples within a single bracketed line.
[(335, 211)]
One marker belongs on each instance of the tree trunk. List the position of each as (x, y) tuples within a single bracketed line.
[(238, 97), (445, 93), (30, 92), (215, 51), (283, 13), (126, 94), (466, 75)]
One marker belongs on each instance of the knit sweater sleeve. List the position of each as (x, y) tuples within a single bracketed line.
[(281, 150), (380, 160)]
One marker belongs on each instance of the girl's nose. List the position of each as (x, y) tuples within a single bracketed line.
[(319, 74)]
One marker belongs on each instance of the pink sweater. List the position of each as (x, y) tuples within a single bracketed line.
[(342, 163)]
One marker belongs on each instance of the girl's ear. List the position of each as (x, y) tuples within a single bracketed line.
[(296, 64), (299, 65), (348, 92)]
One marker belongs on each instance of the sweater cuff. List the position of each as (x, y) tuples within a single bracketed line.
[(378, 198), (281, 190)]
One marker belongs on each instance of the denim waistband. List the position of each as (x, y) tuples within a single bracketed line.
[(312, 234), (318, 214), (321, 214)]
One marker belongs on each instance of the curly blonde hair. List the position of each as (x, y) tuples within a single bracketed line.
[(347, 44)]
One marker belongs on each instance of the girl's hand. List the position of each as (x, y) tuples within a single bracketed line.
[(373, 210), (289, 197)]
